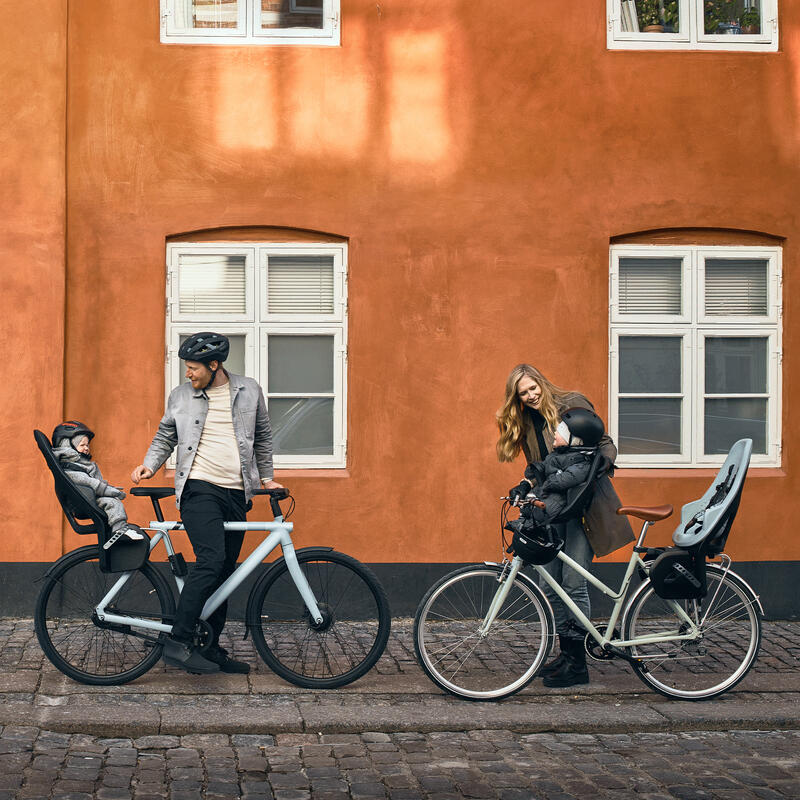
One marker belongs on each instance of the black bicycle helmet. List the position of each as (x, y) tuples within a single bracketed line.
[(69, 430), (585, 424), (205, 347)]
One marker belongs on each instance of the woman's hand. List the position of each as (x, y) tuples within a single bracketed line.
[(520, 491), (141, 472), (271, 485)]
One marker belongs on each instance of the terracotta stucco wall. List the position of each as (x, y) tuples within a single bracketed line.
[(478, 163), (32, 241)]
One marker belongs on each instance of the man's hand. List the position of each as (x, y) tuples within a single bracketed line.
[(271, 485), (141, 472)]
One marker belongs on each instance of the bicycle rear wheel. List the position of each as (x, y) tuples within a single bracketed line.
[(724, 652), (82, 647), (454, 654), (353, 632)]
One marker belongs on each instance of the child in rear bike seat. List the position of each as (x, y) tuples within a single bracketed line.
[(71, 448), (565, 468)]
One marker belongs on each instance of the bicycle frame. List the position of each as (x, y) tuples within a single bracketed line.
[(279, 534), (619, 598)]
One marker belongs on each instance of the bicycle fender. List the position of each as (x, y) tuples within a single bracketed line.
[(56, 564), (276, 565)]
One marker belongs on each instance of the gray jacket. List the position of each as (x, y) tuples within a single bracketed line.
[(182, 426), (84, 472)]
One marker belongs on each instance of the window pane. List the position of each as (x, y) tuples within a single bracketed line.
[(291, 13), (650, 426), (732, 16), (300, 285), (650, 364), (301, 426), (300, 364), (650, 285), (736, 286), (212, 284), (235, 361), (195, 14), (730, 420), (651, 16), (736, 365)]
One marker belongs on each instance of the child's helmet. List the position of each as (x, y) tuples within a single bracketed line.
[(204, 347), (585, 424), (69, 430)]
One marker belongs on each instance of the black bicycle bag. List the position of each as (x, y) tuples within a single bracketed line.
[(679, 574)]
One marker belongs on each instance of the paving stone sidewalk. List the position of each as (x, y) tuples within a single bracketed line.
[(394, 696), (731, 765)]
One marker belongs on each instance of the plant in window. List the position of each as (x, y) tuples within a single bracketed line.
[(720, 16), (650, 18), (671, 18), (750, 20)]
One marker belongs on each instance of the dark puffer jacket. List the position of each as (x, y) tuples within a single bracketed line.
[(562, 470)]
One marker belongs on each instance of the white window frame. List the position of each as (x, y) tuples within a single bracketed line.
[(257, 325), (695, 326), (249, 30), (693, 36)]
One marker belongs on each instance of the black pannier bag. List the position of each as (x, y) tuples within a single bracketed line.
[(679, 574), (77, 502)]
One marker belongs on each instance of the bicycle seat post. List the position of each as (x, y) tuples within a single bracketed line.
[(157, 508)]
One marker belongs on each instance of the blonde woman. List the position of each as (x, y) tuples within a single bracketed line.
[(527, 421)]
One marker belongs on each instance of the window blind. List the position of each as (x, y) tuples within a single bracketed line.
[(650, 286), (300, 285), (736, 286), (212, 284)]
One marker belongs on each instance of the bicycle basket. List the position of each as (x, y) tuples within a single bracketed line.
[(534, 544), (679, 574)]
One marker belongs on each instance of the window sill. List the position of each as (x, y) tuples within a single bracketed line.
[(657, 473)]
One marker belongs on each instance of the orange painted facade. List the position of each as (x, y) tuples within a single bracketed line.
[(477, 159)]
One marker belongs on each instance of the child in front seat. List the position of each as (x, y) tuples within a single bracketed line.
[(71, 448), (565, 468)]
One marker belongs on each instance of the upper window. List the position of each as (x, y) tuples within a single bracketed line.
[(250, 21), (283, 307), (693, 25), (695, 353)]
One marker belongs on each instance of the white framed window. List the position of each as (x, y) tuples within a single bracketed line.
[(741, 25), (284, 309), (250, 22), (695, 353)]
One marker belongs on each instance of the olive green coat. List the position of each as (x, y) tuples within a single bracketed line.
[(605, 529)]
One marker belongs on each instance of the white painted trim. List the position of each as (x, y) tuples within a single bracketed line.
[(694, 38), (695, 327)]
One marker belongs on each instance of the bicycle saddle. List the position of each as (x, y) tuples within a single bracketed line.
[(153, 491)]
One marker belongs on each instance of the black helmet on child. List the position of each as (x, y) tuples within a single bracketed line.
[(69, 430), (585, 424), (205, 347)]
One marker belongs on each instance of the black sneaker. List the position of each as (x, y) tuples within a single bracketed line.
[(184, 656), (219, 655)]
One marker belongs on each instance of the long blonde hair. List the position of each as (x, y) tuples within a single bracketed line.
[(511, 419)]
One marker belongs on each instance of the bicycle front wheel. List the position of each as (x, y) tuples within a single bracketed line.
[(457, 656), (81, 646), (353, 632), (729, 620)]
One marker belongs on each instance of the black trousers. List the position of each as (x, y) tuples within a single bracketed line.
[(204, 507)]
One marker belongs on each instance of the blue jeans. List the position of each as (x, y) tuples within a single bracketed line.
[(577, 547)]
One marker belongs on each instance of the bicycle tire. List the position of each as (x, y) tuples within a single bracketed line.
[(450, 649), (354, 632), (83, 649), (710, 665)]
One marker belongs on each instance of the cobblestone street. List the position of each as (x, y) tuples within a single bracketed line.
[(477, 764)]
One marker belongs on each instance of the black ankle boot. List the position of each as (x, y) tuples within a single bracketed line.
[(553, 666), (573, 669)]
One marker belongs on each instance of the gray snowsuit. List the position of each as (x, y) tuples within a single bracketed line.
[(562, 470), (85, 473)]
